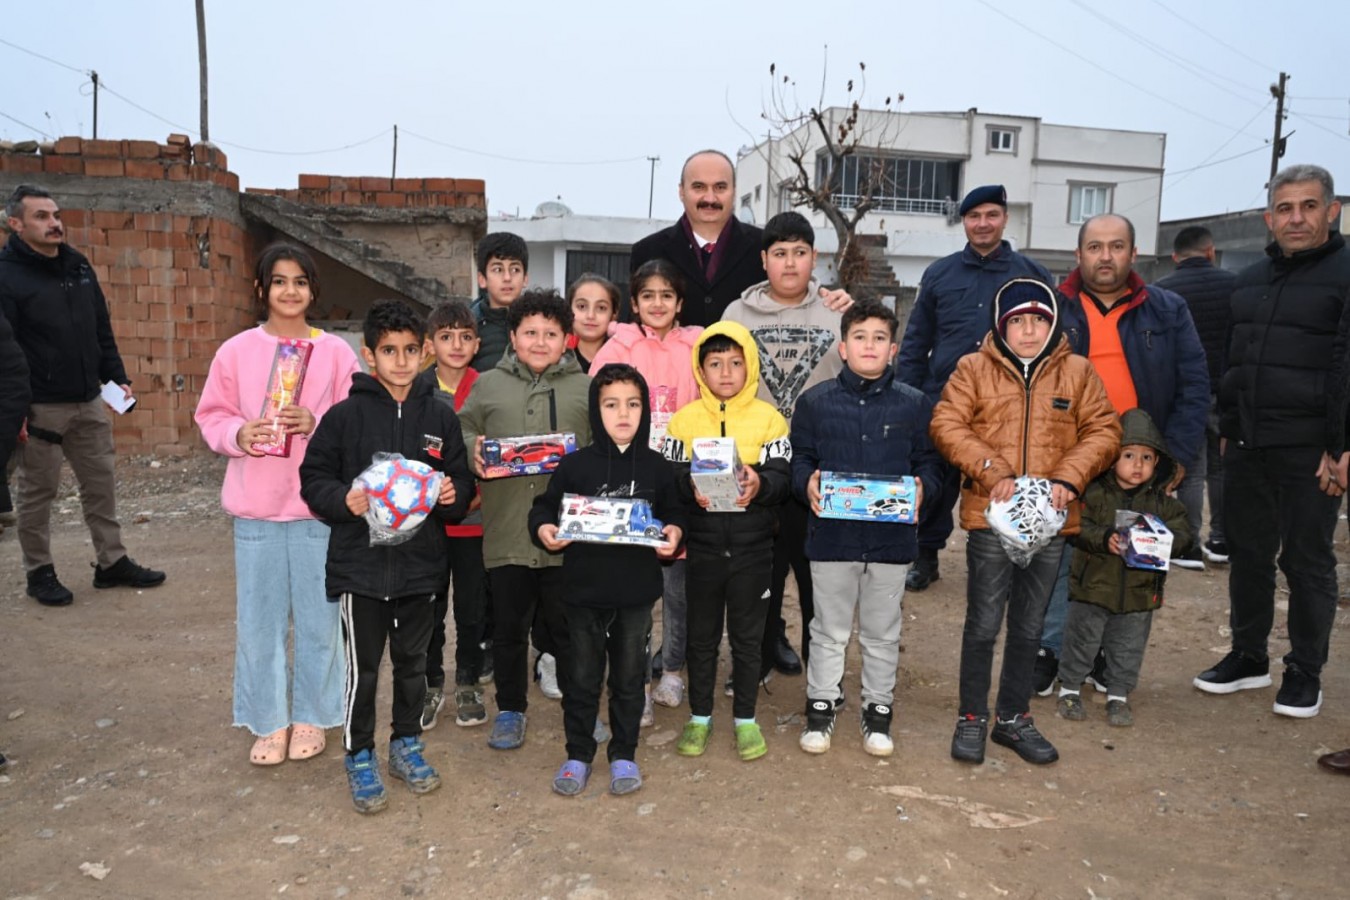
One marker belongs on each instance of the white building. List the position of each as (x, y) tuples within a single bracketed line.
[(563, 245), (1056, 176)]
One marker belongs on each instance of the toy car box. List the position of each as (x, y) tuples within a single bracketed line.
[(1148, 542), (715, 468), (867, 498), (531, 454), (608, 520)]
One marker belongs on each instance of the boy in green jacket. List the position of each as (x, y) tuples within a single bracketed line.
[(1112, 605)]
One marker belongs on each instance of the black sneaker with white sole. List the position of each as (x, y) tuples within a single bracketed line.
[(1020, 736), (876, 730), (819, 726), (1191, 559), (1097, 677), (1300, 694), (1235, 672), (1215, 551)]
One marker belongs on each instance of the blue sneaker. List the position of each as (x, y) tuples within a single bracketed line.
[(406, 764), (508, 731), (363, 778)]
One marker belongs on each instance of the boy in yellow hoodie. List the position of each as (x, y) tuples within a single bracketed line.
[(730, 553)]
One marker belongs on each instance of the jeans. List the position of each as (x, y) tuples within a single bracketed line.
[(518, 592), (279, 579), (597, 636), (1275, 512), (1052, 632), (994, 584), (674, 616)]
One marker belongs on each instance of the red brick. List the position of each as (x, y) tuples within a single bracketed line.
[(102, 149), (226, 179), (199, 172), (176, 171), (145, 168), (370, 185), (440, 184), (185, 259), (315, 182), (342, 183), (408, 185), (20, 162), (108, 219), (127, 239), (265, 192), (75, 218), (179, 140), (106, 168), (142, 150), (174, 151), (471, 185), (63, 165), (198, 277), (473, 201), (68, 146), (155, 259), (351, 198), (389, 198)]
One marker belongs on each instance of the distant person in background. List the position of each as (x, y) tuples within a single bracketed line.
[(50, 296), (15, 393), (950, 319), (503, 273), (1208, 291)]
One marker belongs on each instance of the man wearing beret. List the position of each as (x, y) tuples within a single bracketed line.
[(951, 316)]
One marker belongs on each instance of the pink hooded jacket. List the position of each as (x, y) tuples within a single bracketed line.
[(664, 363)]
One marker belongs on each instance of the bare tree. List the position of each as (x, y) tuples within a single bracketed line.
[(816, 143)]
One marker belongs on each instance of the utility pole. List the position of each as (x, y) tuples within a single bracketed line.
[(201, 65), (93, 76), (651, 184), (393, 169), (1277, 146)]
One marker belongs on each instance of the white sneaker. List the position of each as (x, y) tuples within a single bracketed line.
[(878, 744), (547, 671), (819, 727), (669, 691)]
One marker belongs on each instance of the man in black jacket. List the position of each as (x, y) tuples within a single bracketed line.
[(1282, 414), (48, 292), (1208, 291)]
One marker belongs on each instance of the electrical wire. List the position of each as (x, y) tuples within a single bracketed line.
[(25, 124), (518, 159), (1209, 34), (55, 62)]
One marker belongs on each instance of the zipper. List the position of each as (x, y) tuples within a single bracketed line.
[(1026, 419), (723, 407)]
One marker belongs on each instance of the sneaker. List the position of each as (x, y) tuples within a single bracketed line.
[(694, 739), (45, 588), (363, 780), (485, 673), (819, 726), (1071, 708), (1119, 714), (469, 708), (1047, 668), (126, 573), (1021, 736), (669, 691), (1235, 672), (407, 765), (1300, 694), (431, 706), (968, 741), (750, 741), (648, 714), (546, 673), (508, 731), (1216, 551), (1097, 677), (1191, 559), (876, 730)]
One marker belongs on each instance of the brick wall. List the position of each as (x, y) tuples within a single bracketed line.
[(161, 226), (386, 193)]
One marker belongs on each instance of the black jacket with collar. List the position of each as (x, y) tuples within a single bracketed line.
[(739, 268), (1287, 382), (15, 390), (1208, 291), (60, 319), (371, 421)]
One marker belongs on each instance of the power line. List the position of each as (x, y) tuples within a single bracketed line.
[(25, 125), (518, 159), (55, 62), (1314, 124), (1209, 34), (1126, 80)]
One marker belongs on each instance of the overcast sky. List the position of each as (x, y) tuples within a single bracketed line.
[(556, 99)]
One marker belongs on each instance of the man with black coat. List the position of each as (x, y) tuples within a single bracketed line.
[(1282, 415)]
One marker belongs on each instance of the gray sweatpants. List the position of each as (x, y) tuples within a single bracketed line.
[(1123, 638), (875, 591)]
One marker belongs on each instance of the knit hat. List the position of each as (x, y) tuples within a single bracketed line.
[(989, 193), (1024, 296)]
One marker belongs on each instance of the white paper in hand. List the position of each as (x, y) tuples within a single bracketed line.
[(114, 396)]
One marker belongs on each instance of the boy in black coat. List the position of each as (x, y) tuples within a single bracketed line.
[(610, 587), (386, 591)]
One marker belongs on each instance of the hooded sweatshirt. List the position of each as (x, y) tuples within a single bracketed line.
[(609, 576), (798, 345), (1000, 417), (1101, 577), (663, 362), (761, 435)]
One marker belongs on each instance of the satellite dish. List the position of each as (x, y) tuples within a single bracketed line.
[(552, 209)]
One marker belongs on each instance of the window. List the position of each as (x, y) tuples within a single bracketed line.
[(785, 196), (747, 212), (611, 264), (893, 183), (1088, 200), (1002, 140)]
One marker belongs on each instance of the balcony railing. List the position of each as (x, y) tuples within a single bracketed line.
[(895, 204)]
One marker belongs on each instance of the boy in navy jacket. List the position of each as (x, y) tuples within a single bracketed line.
[(865, 421)]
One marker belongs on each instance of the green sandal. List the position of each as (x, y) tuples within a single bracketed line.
[(694, 739), (750, 741)]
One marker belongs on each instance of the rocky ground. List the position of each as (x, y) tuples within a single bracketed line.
[(127, 780)]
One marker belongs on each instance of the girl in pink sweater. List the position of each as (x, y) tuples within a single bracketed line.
[(279, 547)]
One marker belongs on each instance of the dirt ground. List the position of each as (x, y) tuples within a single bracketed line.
[(127, 780)]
